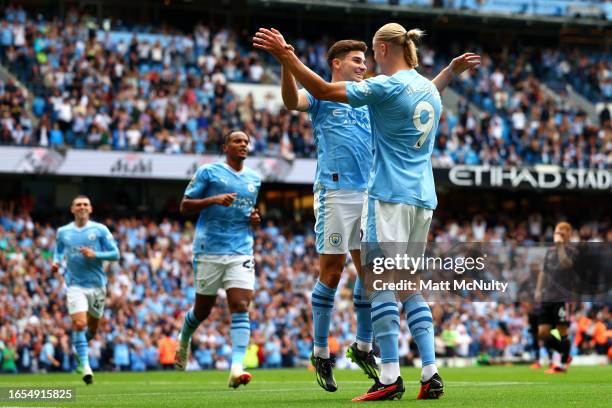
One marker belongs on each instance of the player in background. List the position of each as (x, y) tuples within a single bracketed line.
[(86, 245), (404, 111), (554, 280), (344, 157), (224, 195)]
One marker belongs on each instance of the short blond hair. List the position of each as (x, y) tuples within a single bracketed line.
[(396, 34)]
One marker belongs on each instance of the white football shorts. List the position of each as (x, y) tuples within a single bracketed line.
[(213, 272), (90, 300), (338, 220)]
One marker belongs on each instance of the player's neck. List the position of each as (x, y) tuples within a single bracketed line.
[(336, 77), (80, 223), (392, 69), (236, 165)]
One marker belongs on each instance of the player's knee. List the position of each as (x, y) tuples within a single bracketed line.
[(543, 332), (202, 312), (331, 279), (239, 306), (79, 324), (562, 330), (331, 271)]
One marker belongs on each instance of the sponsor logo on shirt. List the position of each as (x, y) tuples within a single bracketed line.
[(363, 88)]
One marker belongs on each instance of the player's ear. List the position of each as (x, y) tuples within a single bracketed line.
[(336, 62)]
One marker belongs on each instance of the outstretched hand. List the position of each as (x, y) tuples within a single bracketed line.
[(464, 62), (271, 41)]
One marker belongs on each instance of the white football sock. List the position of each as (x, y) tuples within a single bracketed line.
[(322, 352), (428, 371), (389, 373), (364, 346), (237, 369)]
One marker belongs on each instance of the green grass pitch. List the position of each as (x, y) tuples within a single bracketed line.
[(466, 387)]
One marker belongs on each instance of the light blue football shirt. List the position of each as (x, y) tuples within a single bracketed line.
[(81, 271), (344, 144), (224, 230), (405, 109)]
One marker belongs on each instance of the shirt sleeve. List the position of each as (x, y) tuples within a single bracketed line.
[(198, 183), (367, 92), (313, 104), (110, 250), (58, 253)]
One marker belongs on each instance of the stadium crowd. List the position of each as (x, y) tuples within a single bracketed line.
[(520, 121), (103, 87), (152, 286)]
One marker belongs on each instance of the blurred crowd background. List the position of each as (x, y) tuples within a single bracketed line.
[(151, 287)]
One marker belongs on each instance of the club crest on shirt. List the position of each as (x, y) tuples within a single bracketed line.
[(251, 187), (91, 237), (335, 239)]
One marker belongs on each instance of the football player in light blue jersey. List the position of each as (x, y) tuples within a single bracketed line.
[(224, 195), (344, 158), (84, 244), (404, 111)]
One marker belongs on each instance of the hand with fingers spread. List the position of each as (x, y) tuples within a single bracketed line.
[(464, 62), (271, 41), (278, 33), (457, 66)]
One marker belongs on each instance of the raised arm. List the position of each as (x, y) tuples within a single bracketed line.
[(456, 67), (273, 42), (292, 98)]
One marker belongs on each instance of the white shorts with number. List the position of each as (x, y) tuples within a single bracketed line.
[(337, 220), (403, 228), (213, 272), (90, 300)]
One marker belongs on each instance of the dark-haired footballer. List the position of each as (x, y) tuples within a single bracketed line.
[(344, 158), (224, 195)]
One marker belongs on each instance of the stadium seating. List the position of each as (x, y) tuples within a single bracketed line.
[(167, 92)]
